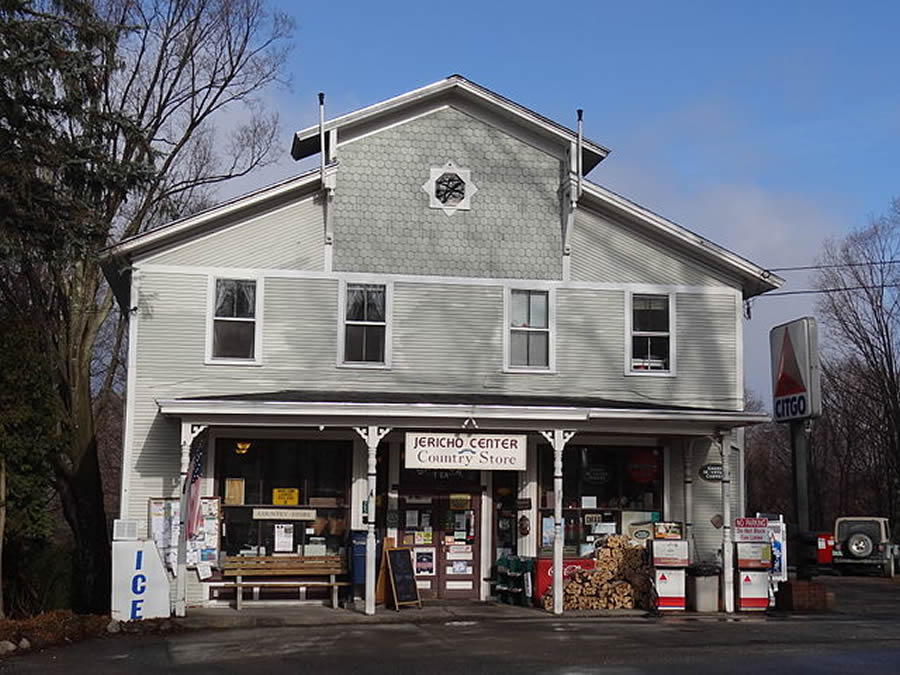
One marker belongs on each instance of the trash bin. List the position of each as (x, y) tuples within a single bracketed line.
[(703, 587), (358, 556)]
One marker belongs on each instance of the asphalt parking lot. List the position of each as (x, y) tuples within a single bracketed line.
[(861, 635)]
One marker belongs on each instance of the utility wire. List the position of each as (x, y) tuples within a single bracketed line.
[(827, 290), (798, 268)]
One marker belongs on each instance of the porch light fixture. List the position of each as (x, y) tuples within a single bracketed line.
[(241, 447)]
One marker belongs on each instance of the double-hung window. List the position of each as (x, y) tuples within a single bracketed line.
[(650, 333), (365, 323), (529, 329), (234, 320)]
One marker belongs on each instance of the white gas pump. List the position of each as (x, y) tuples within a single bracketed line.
[(753, 554), (669, 558)]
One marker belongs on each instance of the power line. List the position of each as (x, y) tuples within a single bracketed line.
[(799, 268), (816, 291)]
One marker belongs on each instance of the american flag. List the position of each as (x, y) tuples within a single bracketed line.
[(193, 519)]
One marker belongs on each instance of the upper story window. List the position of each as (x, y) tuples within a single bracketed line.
[(235, 325), (651, 344), (365, 324), (529, 329)]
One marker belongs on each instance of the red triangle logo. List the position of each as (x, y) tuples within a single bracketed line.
[(747, 579), (788, 380), (663, 577)]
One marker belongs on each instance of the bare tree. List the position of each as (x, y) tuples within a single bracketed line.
[(767, 463), (188, 76), (860, 311)]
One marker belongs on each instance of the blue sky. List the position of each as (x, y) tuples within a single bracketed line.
[(764, 126)]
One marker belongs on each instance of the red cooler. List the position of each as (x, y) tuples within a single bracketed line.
[(544, 572), (825, 548)]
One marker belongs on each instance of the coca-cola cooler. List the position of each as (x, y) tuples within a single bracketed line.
[(544, 573), (754, 562), (669, 558)]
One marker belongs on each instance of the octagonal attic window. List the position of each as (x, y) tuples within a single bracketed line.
[(450, 188)]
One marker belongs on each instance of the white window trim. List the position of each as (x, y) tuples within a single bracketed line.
[(388, 322), (550, 369), (629, 318), (257, 359)]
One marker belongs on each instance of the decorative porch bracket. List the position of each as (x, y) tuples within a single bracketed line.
[(372, 436), (558, 438), (189, 434)]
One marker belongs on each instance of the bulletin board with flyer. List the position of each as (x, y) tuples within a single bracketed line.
[(202, 548)]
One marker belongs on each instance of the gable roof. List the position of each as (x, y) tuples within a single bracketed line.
[(306, 141), (754, 279)]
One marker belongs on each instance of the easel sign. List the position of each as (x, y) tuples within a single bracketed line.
[(403, 578)]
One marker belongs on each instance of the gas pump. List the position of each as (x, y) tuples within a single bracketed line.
[(669, 558), (754, 562)]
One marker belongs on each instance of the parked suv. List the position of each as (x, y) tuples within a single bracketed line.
[(864, 540)]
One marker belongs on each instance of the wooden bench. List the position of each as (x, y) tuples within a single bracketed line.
[(331, 566)]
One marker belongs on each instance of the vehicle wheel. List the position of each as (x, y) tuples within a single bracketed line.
[(860, 545)]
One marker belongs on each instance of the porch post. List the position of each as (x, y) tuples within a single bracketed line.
[(727, 547), (558, 439), (372, 435), (688, 471), (188, 433)]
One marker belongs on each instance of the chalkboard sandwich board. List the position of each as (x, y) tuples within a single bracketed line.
[(403, 577)]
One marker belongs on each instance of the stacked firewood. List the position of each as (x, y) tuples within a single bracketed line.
[(621, 579)]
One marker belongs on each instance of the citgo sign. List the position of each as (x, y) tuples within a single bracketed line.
[(796, 392)]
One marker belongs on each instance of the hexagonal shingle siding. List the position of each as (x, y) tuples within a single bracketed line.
[(383, 222)]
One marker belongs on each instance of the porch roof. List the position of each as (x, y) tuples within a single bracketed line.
[(452, 411)]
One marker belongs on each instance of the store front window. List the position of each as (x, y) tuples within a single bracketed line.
[(605, 491), (307, 481)]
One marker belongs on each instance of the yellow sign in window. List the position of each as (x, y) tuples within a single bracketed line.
[(286, 496)]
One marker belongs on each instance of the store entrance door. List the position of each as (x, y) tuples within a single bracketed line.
[(444, 532), (458, 548)]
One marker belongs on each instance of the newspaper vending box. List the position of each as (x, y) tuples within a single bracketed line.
[(669, 558)]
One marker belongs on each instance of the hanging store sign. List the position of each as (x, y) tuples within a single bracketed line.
[(796, 387), (465, 451), (712, 472)]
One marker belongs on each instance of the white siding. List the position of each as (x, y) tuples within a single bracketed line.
[(287, 237), (606, 250), (707, 495)]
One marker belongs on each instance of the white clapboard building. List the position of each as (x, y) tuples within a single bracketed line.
[(443, 336)]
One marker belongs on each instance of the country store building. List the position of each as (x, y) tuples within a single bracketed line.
[(443, 336)]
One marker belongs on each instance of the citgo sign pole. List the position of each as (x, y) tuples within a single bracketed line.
[(797, 397)]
